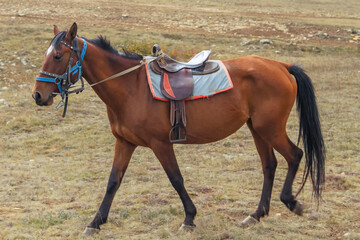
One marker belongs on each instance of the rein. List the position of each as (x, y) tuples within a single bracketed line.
[(64, 83), (142, 63)]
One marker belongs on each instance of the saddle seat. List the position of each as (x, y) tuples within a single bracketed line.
[(172, 65), (177, 84)]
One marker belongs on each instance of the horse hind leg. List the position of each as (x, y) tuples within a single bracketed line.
[(269, 163), (275, 134), (293, 156)]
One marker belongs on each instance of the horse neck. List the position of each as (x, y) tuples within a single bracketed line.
[(99, 64)]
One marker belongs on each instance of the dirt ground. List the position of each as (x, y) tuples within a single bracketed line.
[(54, 171)]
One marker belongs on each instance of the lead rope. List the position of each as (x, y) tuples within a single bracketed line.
[(87, 85), (142, 63)]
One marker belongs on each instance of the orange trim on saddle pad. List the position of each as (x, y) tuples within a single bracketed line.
[(151, 86)]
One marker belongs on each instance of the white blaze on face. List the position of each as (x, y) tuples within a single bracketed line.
[(50, 49)]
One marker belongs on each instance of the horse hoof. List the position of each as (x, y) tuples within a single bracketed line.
[(298, 210), (91, 231), (249, 221), (186, 228)]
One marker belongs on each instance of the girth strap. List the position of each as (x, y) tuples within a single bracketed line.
[(178, 121)]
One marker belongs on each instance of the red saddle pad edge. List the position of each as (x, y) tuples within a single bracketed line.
[(150, 85), (220, 91)]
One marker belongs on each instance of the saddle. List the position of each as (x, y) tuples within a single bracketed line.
[(177, 84)]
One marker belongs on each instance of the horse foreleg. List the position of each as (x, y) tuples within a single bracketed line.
[(165, 153), (269, 163), (123, 153)]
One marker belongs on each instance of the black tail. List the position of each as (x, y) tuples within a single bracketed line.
[(310, 131)]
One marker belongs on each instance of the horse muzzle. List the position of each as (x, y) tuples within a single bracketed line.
[(40, 101)]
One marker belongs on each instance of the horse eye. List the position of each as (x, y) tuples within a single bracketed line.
[(58, 57)]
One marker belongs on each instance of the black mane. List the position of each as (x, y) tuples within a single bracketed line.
[(104, 44), (100, 42)]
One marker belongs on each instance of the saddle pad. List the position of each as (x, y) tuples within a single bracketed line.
[(205, 85)]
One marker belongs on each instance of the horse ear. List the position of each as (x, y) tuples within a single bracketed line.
[(56, 30), (71, 34)]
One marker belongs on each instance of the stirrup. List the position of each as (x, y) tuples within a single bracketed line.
[(175, 135)]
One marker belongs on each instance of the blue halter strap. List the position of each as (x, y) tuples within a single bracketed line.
[(63, 81)]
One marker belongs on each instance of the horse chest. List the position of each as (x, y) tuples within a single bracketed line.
[(129, 132)]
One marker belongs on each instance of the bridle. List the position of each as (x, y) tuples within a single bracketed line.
[(63, 82)]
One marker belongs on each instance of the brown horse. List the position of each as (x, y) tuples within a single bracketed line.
[(263, 95)]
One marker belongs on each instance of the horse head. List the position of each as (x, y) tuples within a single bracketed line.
[(56, 69)]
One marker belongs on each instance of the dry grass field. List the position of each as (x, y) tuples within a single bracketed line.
[(54, 170)]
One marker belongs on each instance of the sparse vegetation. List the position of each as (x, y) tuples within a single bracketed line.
[(54, 171)]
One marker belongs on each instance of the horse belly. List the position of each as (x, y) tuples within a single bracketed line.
[(213, 119)]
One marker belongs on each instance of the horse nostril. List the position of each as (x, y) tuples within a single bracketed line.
[(37, 97)]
